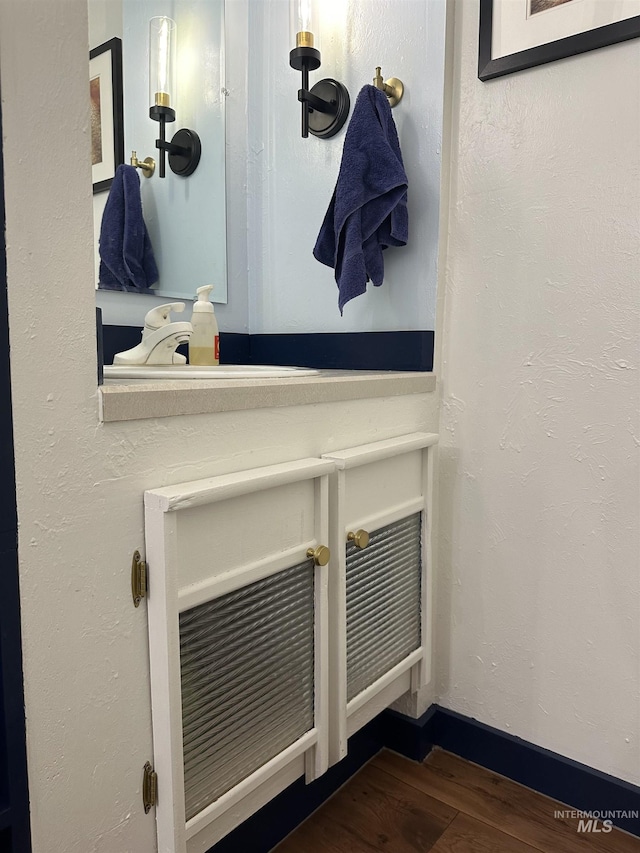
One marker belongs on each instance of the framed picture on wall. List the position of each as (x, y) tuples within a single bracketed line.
[(107, 126), (519, 34)]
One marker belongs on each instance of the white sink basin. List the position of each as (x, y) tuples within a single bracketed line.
[(194, 371)]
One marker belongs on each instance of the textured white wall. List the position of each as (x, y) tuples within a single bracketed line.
[(538, 632), (291, 179), (539, 595)]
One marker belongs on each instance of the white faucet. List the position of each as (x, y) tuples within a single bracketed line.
[(160, 337)]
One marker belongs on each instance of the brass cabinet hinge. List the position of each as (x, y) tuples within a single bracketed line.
[(149, 787), (138, 578)]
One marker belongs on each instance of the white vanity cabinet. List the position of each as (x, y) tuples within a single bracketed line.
[(237, 609), (265, 654), (380, 585)]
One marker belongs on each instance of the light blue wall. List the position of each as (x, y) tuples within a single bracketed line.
[(291, 179), (279, 185)]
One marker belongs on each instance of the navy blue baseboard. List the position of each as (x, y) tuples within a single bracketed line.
[(578, 785), (410, 350)]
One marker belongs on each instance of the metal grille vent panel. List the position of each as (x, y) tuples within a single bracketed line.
[(383, 602), (247, 669)]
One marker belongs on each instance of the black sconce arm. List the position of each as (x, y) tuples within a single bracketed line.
[(184, 150), (325, 106), (316, 103), (171, 147)]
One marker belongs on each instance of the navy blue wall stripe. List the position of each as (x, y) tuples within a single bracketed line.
[(14, 797), (341, 351), (99, 347), (347, 350)]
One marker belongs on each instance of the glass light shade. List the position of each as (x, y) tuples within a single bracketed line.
[(162, 62), (304, 29)]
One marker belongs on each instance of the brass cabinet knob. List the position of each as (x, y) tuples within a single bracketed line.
[(360, 538), (321, 555)]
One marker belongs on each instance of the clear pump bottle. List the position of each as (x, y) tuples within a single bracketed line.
[(204, 344)]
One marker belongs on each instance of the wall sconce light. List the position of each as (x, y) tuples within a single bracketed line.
[(325, 106), (184, 149)]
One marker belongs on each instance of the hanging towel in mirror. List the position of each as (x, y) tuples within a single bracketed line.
[(126, 254), (368, 210)]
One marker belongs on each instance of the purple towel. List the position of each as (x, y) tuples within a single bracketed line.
[(368, 210), (126, 254)]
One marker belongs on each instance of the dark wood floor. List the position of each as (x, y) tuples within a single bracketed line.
[(444, 805)]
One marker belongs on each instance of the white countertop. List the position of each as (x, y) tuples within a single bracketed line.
[(139, 399)]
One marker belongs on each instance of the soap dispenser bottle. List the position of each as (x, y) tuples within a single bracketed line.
[(204, 344)]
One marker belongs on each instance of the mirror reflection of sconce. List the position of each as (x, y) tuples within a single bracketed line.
[(184, 149), (325, 107)]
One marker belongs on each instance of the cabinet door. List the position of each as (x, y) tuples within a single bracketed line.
[(380, 587), (238, 644)]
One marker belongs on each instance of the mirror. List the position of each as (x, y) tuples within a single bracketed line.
[(185, 217)]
